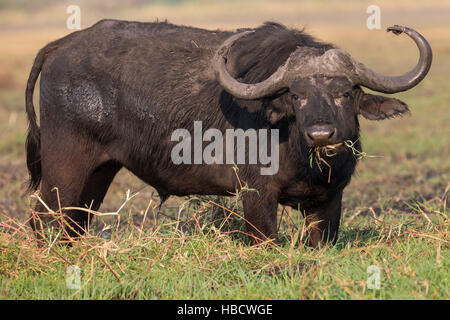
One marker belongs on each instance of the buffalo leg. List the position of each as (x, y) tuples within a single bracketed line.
[(323, 222), (98, 183), (260, 212), (71, 177), (60, 189)]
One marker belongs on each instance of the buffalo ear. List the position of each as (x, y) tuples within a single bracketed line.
[(375, 107)]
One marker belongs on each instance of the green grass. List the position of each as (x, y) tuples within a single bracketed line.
[(204, 260)]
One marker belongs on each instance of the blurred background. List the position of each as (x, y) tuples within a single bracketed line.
[(412, 162)]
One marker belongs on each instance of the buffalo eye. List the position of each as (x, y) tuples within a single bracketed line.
[(347, 94), (297, 101)]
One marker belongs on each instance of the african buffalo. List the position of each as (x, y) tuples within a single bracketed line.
[(112, 95)]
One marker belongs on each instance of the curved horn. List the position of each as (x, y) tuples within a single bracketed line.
[(387, 84), (242, 90)]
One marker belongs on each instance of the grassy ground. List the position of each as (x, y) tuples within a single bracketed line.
[(395, 209)]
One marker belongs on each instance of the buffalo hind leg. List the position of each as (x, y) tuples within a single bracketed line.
[(61, 187), (95, 189), (75, 172), (84, 188)]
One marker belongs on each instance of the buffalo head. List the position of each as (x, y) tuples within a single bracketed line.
[(322, 90)]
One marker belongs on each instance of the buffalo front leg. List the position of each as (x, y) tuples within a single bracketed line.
[(260, 212), (323, 222)]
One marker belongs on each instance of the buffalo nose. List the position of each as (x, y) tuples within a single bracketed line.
[(321, 135)]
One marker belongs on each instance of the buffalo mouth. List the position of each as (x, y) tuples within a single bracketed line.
[(320, 156)]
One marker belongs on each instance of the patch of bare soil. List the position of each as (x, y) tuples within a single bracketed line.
[(395, 192), (13, 177)]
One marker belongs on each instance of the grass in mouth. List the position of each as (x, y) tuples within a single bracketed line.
[(318, 153)]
